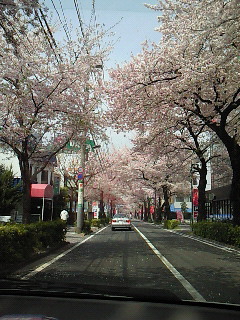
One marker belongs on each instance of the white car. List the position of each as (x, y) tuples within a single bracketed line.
[(121, 221)]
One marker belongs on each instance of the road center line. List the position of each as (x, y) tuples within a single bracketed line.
[(47, 264), (184, 282)]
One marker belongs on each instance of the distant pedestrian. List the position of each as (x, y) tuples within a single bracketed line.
[(64, 215)]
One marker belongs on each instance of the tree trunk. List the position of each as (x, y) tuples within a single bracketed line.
[(145, 210), (201, 191), (166, 202), (234, 154), (148, 208), (155, 205), (141, 212), (235, 187), (101, 211), (26, 185), (158, 210), (111, 208)]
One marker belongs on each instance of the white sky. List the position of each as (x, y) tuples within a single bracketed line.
[(134, 24)]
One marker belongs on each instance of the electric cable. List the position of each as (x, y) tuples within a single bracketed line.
[(65, 25)]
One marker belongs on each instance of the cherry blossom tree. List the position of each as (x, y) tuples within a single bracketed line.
[(204, 38), (136, 176), (49, 95), (194, 69), (157, 128)]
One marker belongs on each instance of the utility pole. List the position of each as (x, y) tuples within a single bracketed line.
[(80, 209)]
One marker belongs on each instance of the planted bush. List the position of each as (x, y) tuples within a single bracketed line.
[(86, 227), (19, 241), (16, 243), (170, 224), (218, 231), (96, 223), (50, 233), (105, 221), (99, 222)]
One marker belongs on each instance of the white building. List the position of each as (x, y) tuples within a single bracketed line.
[(47, 177)]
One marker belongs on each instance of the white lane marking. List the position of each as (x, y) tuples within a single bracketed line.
[(184, 282), (47, 264), (218, 246)]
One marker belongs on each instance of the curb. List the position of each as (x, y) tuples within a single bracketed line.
[(189, 234)]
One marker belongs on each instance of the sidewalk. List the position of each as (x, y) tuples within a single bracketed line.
[(73, 237)]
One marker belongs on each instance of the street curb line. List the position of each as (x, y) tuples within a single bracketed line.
[(207, 242), (47, 264), (184, 282)]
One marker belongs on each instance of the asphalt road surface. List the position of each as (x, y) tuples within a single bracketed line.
[(147, 257)]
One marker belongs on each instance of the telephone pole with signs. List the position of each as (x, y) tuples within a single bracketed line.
[(80, 177)]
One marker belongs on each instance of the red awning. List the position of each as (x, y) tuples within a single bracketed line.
[(41, 191)]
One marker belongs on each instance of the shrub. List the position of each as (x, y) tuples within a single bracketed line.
[(49, 233), (16, 243), (170, 224), (219, 231), (19, 241), (96, 223), (10, 194), (86, 227), (105, 221)]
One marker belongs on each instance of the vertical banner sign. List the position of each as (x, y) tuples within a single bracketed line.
[(80, 187), (195, 202), (80, 194), (80, 178)]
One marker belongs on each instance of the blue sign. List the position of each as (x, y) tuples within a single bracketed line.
[(80, 176)]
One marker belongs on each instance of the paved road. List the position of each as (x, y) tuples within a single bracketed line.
[(147, 257)]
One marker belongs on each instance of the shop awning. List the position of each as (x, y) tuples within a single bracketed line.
[(41, 191)]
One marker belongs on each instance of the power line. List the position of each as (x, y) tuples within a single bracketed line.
[(47, 36), (93, 13), (79, 17), (59, 17), (65, 24)]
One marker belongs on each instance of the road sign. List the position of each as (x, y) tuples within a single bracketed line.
[(80, 176), (80, 169)]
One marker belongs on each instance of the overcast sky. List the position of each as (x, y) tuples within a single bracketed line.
[(133, 24)]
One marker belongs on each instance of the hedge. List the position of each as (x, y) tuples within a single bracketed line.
[(18, 242), (170, 224), (88, 224), (218, 231)]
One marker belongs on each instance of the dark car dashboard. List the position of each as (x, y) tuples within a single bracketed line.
[(39, 306)]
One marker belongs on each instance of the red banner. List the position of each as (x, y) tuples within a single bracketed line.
[(151, 209), (195, 197)]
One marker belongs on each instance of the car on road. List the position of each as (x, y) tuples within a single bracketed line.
[(121, 221)]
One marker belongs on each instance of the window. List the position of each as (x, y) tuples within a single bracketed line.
[(44, 177), (179, 199)]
